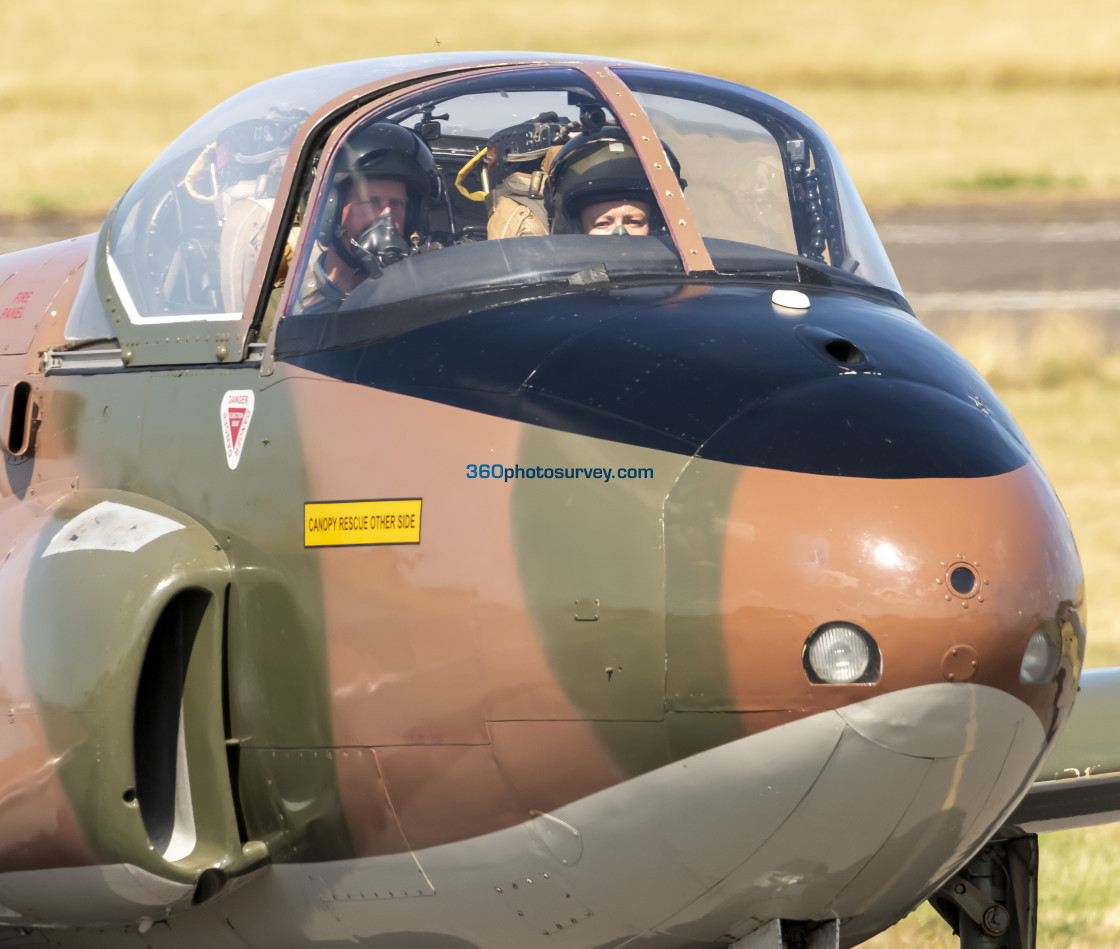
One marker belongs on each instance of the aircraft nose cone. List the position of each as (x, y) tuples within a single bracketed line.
[(950, 578)]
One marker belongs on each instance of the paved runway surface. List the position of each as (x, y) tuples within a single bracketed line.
[(1032, 261), (1035, 262)]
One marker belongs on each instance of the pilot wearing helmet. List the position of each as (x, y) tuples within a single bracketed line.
[(596, 185), (384, 183)]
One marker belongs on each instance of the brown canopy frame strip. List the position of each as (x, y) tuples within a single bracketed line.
[(666, 187)]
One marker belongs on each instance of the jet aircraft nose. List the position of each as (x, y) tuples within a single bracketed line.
[(954, 603), (818, 469), (913, 582)]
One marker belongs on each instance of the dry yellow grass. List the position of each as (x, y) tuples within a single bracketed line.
[(926, 100), (941, 145)]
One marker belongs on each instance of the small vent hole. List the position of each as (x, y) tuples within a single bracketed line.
[(845, 351), (963, 580)]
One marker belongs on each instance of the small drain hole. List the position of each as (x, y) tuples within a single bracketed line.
[(845, 351)]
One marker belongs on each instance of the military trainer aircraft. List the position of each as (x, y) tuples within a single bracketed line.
[(481, 501)]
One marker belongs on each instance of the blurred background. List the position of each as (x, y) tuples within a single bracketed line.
[(949, 101), (983, 135)]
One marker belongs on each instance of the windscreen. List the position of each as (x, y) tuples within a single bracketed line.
[(782, 182), (437, 195)]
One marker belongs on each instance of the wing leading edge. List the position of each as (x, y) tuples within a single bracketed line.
[(1079, 784)]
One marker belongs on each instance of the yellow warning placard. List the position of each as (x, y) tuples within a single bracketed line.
[(361, 523)]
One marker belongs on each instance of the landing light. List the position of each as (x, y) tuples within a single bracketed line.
[(841, 653), (1041, 658)]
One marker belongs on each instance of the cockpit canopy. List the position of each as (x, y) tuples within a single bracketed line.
[(256, 211)]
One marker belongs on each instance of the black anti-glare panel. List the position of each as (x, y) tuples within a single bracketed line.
[(848, 387)]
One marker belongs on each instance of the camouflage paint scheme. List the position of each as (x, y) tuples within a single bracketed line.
[(573, 708)]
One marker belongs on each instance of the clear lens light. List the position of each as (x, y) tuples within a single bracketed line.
[(839, 654), (1040, 661)]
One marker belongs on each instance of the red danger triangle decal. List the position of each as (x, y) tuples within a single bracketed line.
[(236, 411), (236, 417)]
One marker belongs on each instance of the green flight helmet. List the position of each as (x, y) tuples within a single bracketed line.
[(597, 166)]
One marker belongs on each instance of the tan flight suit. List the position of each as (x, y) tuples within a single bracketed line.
[(515, 211), (239, 248)]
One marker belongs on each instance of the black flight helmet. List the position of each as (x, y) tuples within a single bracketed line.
[(383, 150)]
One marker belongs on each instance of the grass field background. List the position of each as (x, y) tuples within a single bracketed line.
[(965, 101), (954, 100)]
